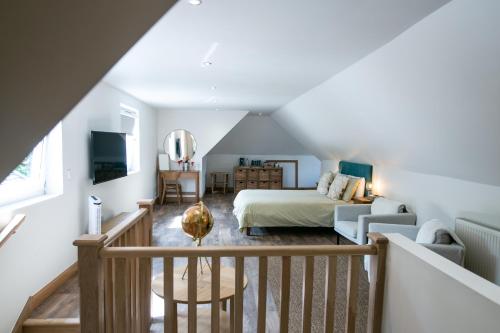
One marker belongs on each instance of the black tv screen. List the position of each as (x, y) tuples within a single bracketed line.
[(108, 156)]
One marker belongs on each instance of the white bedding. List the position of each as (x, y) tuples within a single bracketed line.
[(284, 208)]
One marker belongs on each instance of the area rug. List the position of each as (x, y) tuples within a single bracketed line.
[(295, 324)]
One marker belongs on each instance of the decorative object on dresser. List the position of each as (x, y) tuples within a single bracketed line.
[(257, 178), (222, 183)]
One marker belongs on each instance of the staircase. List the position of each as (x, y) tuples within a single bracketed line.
[(60, 312)]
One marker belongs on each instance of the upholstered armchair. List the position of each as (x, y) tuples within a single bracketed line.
[(352, 221), (455, 251)]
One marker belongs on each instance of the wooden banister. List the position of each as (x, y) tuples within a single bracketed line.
[(307, 293), (331, 284), (116, 292), (239, 251), (285, 293), (128, 275), (215, 315), (11, 228), (352, 293), (377, 283), (261, 310), (90, 273)]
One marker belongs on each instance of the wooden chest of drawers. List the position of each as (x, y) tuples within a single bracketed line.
[(257, 178)]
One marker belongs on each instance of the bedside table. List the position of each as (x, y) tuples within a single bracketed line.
[(363, 200)]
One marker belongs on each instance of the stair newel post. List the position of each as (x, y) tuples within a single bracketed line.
[(377, 282), (91, 279), (147, 220)]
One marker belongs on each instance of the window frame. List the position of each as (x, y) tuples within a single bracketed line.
[(16, 189), (133, 141)]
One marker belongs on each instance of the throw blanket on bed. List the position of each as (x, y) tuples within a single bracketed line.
[(284, 208)]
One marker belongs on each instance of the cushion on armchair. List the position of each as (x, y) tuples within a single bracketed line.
[(385, 206), (436, 232)]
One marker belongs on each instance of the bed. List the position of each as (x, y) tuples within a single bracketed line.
[(292, 208)]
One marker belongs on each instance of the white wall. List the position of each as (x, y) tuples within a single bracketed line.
[(440, 197), (259, 135), (42, 248), (207, 127), (262, 138), (309, 167), (425, 102), (425, 292), (431, 196)]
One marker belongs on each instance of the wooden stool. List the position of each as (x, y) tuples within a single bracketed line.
[(170, 182), (223, 182)]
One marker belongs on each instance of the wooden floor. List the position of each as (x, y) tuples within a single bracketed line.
[(167, 231)]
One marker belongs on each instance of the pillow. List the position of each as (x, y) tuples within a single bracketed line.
[(338, 186), (385, 206), (443, 237), (360, 192), (352, 186), (324, 182), (429, 230)]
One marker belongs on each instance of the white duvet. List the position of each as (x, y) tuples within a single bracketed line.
[(284, 208)]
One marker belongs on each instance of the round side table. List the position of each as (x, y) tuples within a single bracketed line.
[(204, 293)]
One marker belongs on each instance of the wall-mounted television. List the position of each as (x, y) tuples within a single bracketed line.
[(108, 156)]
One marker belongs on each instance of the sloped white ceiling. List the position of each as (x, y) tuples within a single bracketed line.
[(263, 53), (429, 101), (258, 135), (52, 53)]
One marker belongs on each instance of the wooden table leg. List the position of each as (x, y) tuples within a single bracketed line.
[(224, 305), (231, 314)]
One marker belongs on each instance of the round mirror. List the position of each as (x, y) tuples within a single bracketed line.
[(180, 145)]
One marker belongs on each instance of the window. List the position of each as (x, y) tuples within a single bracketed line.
[(30, 178), (130, 125)]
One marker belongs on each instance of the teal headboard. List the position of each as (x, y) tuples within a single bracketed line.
[(357, 170)]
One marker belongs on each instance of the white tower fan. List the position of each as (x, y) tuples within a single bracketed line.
[(95, 205)]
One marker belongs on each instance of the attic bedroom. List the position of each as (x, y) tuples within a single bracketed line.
[(250, 166)]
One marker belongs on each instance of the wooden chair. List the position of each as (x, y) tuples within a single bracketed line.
[(170, 182)]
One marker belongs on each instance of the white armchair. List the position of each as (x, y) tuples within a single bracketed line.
[(454, 251), (352, 221)]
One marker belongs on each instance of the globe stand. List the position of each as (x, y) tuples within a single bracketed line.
[(198, 236), (201, 264)]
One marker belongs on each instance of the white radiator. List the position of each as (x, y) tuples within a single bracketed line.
[(482, 249)]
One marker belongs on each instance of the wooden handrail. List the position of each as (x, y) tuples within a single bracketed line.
[(238, 251), (11, 228), (124, 225)]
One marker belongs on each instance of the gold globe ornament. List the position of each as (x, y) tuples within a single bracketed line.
[(197, 222)]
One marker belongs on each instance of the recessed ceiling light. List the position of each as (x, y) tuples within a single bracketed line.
[(195, 2), (206, 64)]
